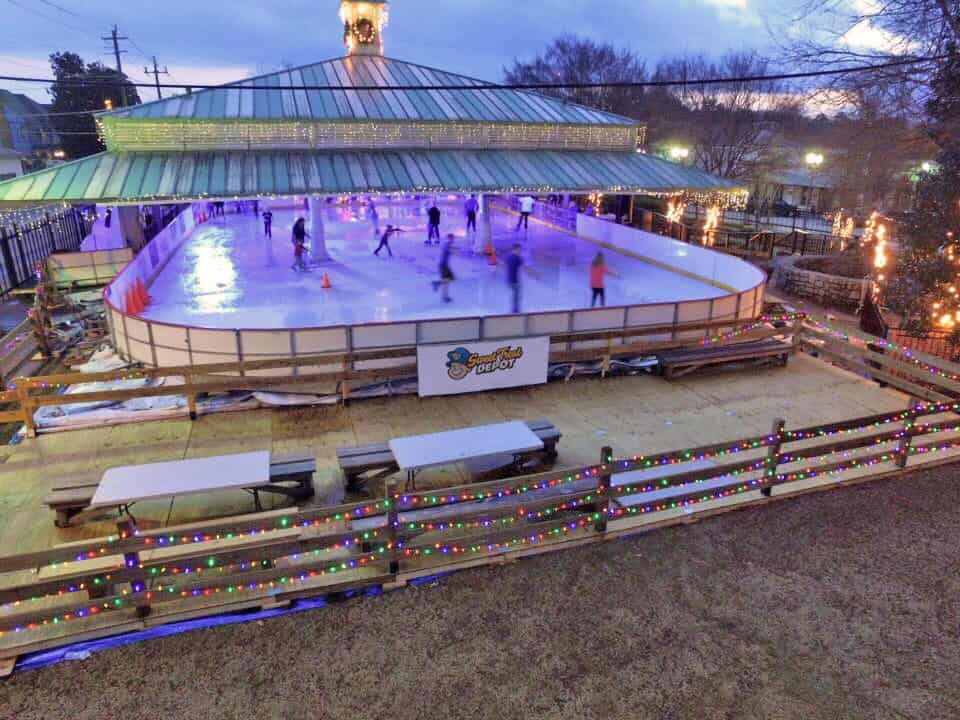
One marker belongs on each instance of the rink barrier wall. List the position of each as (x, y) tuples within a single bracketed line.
[(160, 344), (146, 266), (163, 344)]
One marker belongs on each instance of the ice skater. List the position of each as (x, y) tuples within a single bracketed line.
[(433, 227), (299, 239), (598, 280), (446, 274), (374, 217), (471, 207), (514, 263), (385, 240), (267, 224), (526, 207)]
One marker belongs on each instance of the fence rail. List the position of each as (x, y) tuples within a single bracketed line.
[(137, 578), (29, 238), (343, 370)]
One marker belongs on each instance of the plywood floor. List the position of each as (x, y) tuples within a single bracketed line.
[(633, 415)]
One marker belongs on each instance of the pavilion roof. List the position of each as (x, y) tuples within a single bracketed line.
[(346, 104), (115, 177)]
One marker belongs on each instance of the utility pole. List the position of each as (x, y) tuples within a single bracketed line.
[(115, 38), (156, 72)]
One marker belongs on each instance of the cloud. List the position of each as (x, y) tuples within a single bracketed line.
[(217, 40)]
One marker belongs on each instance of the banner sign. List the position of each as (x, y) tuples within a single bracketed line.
[(466, 367)]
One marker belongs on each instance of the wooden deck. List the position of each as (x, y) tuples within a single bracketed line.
[(630, 414)]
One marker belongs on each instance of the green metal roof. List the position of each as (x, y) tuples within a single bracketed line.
[(346, 103), (169, 176)]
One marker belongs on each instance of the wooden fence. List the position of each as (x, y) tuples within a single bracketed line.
[(139, 578), (136, 579), (339, 370)]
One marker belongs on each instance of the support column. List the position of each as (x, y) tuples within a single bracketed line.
[(128, 218), (318, 240), (485, 228)]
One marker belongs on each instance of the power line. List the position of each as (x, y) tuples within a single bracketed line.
[(61, 8), (50, 18), (493, 86)]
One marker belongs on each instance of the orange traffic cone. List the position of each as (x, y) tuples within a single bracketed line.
[(142, 293), (134, 306), (488, 250), (326, 282), (493, 256)]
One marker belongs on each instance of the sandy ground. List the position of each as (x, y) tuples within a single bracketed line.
[(837, 605)]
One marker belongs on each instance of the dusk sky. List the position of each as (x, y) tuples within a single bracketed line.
[(216, 41)]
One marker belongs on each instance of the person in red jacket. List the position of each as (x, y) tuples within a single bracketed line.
[(598, 280)]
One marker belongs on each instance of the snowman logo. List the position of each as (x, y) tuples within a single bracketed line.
[(457, 367)]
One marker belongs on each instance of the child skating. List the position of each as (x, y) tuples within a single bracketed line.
[(385, 240)]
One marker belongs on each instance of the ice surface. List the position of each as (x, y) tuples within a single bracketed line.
[(227, 275)]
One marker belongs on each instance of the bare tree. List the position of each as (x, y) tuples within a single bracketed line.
[(574, 60), (731, 124), (839, 33)]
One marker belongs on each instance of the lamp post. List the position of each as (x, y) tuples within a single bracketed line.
[(814, 161)]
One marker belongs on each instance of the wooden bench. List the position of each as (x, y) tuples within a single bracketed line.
[(71, 499), (677, 363), (365, 463), (291, 475)]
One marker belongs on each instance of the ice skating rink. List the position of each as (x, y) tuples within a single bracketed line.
[(227, 275)]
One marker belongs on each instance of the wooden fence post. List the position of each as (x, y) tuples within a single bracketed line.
[(191, 395), (603, 507), (131, 561), (903, 447), (773, 456), (26, 407), (393, 527)]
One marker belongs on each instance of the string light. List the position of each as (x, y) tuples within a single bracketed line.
[(710, 226), (676, 210)]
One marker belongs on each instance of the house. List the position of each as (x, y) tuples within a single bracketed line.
[(11, 163)]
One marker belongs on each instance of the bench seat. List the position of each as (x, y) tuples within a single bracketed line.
[(676, 363)]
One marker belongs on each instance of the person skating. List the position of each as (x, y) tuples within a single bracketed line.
[(526, 207), (598, 282), (300, 236), (374, 216), (471, 207), (267, 224), (514, 263), (433, 227), (446, 274), (385, 240)]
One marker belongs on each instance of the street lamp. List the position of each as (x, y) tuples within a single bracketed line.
[(814, 159), (679, 153)]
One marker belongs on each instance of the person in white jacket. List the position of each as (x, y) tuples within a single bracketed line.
[(526, 207)]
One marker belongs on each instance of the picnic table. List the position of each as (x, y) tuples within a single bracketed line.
[(415, 453), (121, 487)]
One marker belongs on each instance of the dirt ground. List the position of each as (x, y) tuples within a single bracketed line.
[(837, 605)]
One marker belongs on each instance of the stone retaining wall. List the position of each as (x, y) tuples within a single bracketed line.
[(823, 289)]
